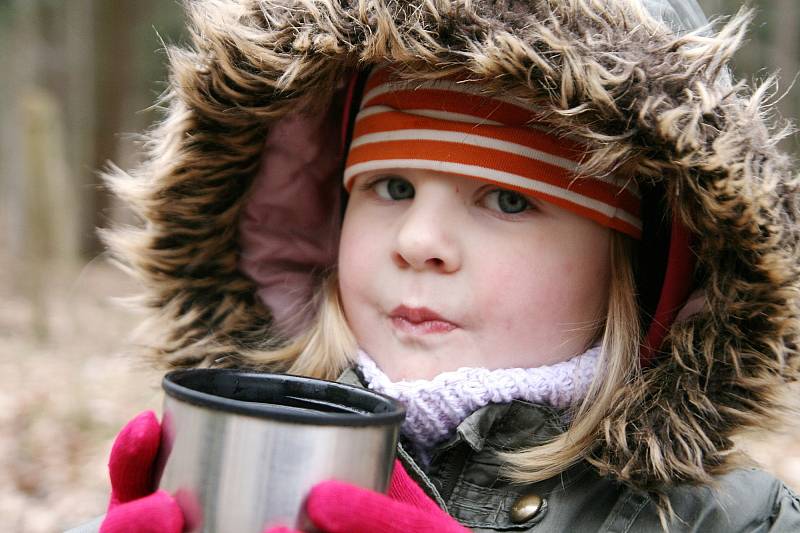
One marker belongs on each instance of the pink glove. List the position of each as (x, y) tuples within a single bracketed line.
[(406, 508), (134, 506)]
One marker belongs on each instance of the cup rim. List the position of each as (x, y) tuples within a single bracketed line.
[(346, 405)]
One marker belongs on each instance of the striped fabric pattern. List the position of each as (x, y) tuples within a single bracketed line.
[(450, 126)]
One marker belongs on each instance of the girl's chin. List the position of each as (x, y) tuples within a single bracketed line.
[(407, 363)]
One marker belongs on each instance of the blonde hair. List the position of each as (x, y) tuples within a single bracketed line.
[(328, 347), (325, 349)]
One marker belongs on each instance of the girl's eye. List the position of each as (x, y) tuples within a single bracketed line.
[(505, 201), (394, 189)]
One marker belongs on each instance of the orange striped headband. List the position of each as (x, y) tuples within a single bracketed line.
[(447, 126)]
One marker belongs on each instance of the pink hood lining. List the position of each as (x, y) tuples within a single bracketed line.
[(289, 226)]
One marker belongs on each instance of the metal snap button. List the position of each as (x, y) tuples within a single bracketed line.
[(526, 507)]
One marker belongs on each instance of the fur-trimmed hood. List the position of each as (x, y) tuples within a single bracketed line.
[(651, 104)]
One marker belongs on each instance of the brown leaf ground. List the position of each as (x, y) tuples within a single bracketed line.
[(68, 382)]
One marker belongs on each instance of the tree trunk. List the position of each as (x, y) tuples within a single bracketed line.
[(786, 46), (79, 103), (115, 69)]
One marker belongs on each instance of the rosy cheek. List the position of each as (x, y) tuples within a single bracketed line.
[(359, 256), (349, 265), (529, 291), (567, 268), (504, 293)]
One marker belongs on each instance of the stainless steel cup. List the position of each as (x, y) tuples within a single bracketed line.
[(241, 450)]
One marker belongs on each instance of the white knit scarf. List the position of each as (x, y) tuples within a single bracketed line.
[(435, 407)]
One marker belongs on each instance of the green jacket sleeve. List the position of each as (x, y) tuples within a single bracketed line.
[(744, 501), (786, 512)]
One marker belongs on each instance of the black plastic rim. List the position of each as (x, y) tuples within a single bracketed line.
[(282, 397)]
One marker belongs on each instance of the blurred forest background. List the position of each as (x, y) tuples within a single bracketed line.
[(79, 79)]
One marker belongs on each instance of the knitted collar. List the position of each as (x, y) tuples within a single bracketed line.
[(435, 407)]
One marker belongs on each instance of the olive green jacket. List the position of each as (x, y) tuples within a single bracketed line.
[(464, 479)]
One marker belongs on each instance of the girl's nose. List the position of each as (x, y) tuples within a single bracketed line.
[(426, 240)]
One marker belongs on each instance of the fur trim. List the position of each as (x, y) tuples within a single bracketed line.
[(653, 105)]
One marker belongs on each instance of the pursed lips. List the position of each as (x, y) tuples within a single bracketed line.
[(420, 321)]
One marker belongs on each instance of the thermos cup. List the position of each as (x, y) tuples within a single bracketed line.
[(240, 450)]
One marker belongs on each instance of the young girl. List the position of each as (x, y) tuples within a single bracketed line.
[(554, 229)]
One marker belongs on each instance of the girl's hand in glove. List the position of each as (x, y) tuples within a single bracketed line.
[(134, 505), (336, 507)]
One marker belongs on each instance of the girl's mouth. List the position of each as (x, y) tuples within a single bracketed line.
[(419, 321)]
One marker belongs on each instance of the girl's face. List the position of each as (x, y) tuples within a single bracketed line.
[(438, 272)]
